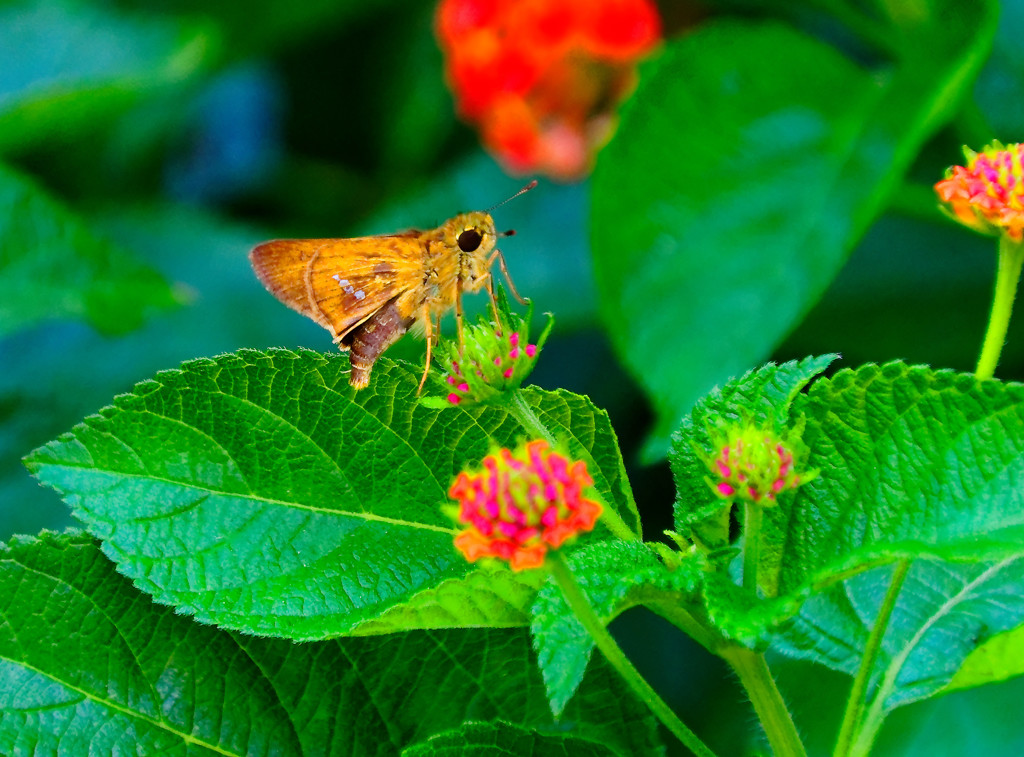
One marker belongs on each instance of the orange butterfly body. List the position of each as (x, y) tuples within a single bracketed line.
[(368, 291)]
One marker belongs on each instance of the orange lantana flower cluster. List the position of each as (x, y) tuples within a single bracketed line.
[(521, 504), (988, 193), (540, 78)]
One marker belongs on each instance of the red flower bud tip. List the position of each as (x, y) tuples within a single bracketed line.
[(987, 194), (521, 504), (454, 398), (754, 464)]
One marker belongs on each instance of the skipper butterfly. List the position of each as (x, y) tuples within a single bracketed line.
[(368, 291)]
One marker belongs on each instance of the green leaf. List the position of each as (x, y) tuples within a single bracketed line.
[(978, 723), (997, 659), (615, 576), (733, 191), (504, 740), (914, 463), (760, 396), (982, 722), (53, 266), (942, 613), (258, 491), (88, 665), (65, 67)]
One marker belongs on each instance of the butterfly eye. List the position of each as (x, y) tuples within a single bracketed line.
[(469, 240)]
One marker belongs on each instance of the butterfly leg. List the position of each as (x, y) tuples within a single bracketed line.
[(504, 271), (494, 301), (458, 320), (429, 333)]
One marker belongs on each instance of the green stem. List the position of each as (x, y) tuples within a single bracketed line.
[(1011, 256), (752, 517), (528, 419), (674, 612), (852, 718), (536, 429), (580, 605), (771, 710)]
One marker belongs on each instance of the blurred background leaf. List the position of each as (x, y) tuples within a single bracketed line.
[(52, 266), (68, 67), (732, 195)]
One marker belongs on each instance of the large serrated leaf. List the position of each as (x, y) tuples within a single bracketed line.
[(915, 464), (931, 462), (88, 665), (734, 190), (258, 491), (52, 265)]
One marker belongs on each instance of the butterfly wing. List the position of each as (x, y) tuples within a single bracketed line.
[(339, 283)]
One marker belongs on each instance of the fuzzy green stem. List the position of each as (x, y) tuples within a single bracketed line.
[(752, 517), (528, 419), (849, 731), (1011, 256), (674, 612), (771, 710), (580, 605), (536, 429)]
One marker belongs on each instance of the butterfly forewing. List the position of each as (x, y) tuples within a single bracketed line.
[(339, 283), (281, 266)]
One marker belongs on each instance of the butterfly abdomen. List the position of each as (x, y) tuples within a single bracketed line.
[(369, 339)]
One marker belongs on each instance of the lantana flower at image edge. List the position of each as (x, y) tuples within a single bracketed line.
[(987, 194), (522, 503)]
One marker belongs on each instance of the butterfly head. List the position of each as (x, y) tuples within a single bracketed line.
[(473, 236)]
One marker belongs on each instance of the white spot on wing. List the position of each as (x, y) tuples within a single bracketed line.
[(346, 285)]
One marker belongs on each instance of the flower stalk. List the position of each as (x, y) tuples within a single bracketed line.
[(580, 605), (757, 681), (1011, 257), (850, 733)]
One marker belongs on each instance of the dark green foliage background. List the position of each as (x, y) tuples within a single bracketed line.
[(743, 212)]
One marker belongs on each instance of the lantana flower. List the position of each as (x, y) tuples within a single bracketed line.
[(987, 194), (494, 357), (492, 362), (521, 503), (754, 464), (539, 78)]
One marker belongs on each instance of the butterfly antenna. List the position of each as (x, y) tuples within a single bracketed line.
[(524, 190)]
